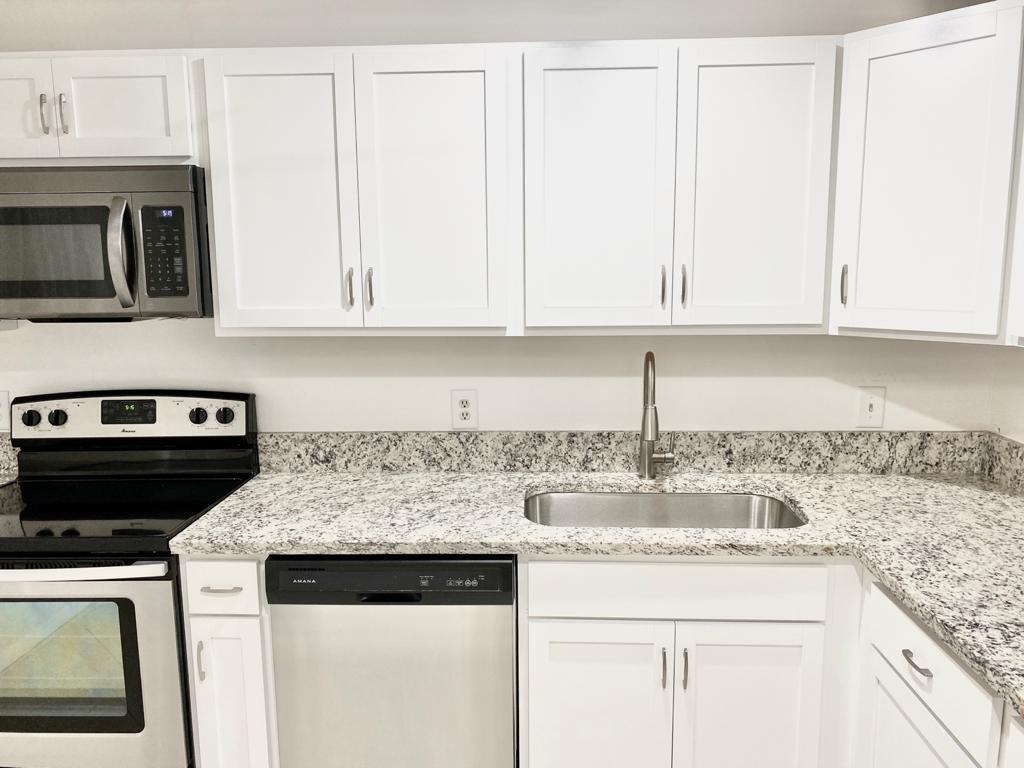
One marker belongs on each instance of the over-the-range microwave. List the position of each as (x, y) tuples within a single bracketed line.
[(104, 243)]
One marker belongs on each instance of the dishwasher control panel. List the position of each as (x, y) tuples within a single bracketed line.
[(377, 581)]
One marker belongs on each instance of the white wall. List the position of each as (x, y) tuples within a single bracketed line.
[(524, 383), (27, 25)]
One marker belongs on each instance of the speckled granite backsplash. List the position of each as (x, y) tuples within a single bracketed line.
[(947, 453), (973, 454)]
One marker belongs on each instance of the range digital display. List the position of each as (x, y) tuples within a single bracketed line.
[(128, 412)]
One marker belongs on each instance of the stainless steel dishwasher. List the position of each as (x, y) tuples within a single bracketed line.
[(394, 662)]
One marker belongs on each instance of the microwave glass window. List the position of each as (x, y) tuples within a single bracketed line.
[(54, 252), (63, 666), (43, 252)]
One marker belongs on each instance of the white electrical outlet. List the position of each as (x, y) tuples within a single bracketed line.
[(871, 412), (464, 409), (5, 411)]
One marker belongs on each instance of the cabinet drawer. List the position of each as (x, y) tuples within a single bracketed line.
[(970, 712), (678, 591), (223, 587)]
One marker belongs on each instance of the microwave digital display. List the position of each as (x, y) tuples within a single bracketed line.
[(128, 412)]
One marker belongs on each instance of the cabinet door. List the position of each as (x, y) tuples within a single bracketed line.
[(122, 106), (599, 140), (431, 136), (925, 157), (897, 730), (231, 706), (283, 178), (754, 156), (27, 127), (1013, 749), (747, 694), (600, 694)]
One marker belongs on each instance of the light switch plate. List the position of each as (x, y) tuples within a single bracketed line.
[(871, 410), (5, 411)]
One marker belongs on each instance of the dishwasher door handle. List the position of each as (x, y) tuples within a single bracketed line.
[(391, 598)]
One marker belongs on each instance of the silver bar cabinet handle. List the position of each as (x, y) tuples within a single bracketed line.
[(844, 284), (369, 286), (199, 662), (922, 671), (349, 277), (116, 246), (42, 114), (664, 284), (220, 590), (682, 290), (62, 99), (664, 668), (686, 668)]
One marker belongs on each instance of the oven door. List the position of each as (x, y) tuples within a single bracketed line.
[(90, 674), (67, 256)]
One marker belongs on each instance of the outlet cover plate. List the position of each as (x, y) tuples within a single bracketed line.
[(464, 409)]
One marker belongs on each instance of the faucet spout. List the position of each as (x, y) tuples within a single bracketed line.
[(648, 458)]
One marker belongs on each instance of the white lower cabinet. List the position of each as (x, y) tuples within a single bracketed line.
[(1013, 749), (601, 693), (230, 698), (760, 680), (898, 730), (663, 693)]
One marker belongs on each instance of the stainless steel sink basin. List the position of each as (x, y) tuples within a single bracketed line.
[(660, 510)]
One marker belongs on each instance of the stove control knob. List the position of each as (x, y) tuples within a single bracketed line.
[(198, 415), (225, 415), (31, 418), (58, 417), (70, 533), (44, 532)]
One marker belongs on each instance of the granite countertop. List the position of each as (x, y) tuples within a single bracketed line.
[(950, 550)]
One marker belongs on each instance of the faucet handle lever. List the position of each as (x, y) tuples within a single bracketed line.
[(669, 457)]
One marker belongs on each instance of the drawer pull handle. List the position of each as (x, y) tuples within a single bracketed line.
[(922, 671), (664, 668), (220, 591)]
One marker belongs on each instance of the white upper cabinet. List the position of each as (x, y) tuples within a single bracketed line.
[(122, 106), (749, 694), (27, 120), (95, 106), (599, 130), (754, 158), (432, 145), (283, 181), (925, 158)]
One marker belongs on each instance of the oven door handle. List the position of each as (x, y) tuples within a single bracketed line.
[(101, 573), (117, 245)]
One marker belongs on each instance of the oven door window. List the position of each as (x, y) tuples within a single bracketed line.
[(54, 252), (69, 666)]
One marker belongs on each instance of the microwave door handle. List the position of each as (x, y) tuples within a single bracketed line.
[(102, 573), (116, 247)]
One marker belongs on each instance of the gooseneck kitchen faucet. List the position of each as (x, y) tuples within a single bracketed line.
[(649, 459)]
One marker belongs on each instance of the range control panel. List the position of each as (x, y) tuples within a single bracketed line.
[(128, 414), (163, 249)]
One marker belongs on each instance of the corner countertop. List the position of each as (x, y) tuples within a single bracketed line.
[(950, 550)]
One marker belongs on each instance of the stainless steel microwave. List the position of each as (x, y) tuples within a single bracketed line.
[(104, 243)]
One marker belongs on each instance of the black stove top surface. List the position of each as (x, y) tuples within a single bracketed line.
[(104, 515)]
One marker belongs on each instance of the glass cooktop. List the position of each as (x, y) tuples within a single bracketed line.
[(104, 515)]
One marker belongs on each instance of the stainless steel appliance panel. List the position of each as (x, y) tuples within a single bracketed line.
[(161, 743), (394, 685)]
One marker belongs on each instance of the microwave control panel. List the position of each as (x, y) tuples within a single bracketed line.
[(164, 248)]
